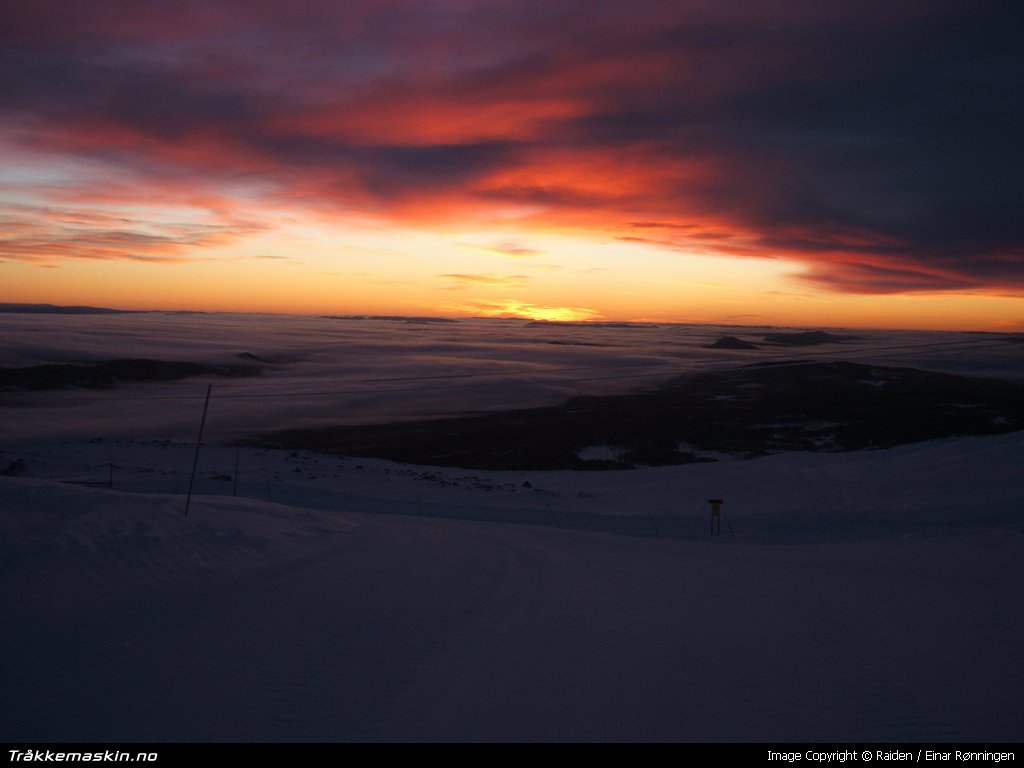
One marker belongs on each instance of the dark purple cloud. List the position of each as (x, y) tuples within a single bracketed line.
[(880, 143)]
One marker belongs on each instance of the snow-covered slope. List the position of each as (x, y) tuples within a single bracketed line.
[(866, 596)]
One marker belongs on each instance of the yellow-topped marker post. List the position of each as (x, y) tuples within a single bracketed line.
[(716, 516)]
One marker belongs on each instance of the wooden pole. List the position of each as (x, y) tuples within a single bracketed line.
[(199, 439)]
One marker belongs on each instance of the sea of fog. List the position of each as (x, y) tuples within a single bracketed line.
[(351, 370)]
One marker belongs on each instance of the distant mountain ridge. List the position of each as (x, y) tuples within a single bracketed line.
[(104, 375), (55, 309)]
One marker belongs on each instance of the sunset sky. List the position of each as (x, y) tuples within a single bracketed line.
[(814, 163)]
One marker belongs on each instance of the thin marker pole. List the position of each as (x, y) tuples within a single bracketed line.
[(199, 439), (716, 520), (234, 490), (657, 533)]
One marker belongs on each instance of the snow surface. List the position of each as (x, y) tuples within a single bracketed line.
[(871, 596)]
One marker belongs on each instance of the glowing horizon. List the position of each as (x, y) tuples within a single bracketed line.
[(811, 164)]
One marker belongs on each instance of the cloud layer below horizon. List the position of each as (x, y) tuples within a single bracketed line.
[(876, 144)]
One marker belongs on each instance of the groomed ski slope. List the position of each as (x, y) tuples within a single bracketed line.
[(870, 596)]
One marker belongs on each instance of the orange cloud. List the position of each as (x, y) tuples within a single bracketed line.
[(509, 249), (413, 118), (496, 281), (42, 234)]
